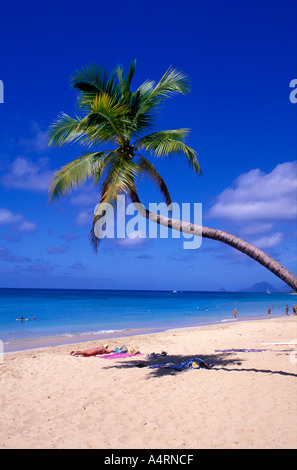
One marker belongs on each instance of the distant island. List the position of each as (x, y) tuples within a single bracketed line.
[(266, 287)]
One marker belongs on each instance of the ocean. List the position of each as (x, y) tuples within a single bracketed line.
[(65, 316)]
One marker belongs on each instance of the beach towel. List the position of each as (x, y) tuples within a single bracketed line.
[(195, 363), (241, 350), (119, 355)]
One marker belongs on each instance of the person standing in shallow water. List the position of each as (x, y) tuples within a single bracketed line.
[(287, 310), (269, 310), (235, 312)]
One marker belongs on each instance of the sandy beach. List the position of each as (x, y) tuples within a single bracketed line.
[(50, 399)]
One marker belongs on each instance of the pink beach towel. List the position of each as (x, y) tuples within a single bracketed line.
[(118, 355)]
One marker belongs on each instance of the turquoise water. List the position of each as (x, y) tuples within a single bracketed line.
[(64, 314)]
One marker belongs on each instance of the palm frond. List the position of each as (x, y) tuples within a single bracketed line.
[(75, 173), (99, 131), (105, 109), (142, 113), (167, 143), (64, 129), (148, 169), (130, 74), (120, 176), (125, 82), (141, 119), (107, 106), (172, 82), (150, 96), (93, 80)]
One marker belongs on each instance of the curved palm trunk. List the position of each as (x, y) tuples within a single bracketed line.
[(224, 237)]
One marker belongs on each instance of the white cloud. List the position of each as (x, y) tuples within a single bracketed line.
[(39, 268), (38, 141), (260, 196), (6, 255), (26, 226), (57, 249), (17, 222), (78, 266), (85, 196), (136, 234), (134, 240), (28, 175), (7, 217), (269, 241), (85, 217), (257, 227), (68, 236)]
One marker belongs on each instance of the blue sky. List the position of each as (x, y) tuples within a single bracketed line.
[(240, 57)]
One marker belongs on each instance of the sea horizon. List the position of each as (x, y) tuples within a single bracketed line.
[(144, 290)]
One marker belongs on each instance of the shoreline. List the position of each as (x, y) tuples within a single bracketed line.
[(82, 317), (60, 340), (51, 399)]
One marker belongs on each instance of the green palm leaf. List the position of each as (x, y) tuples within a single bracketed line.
[(93, 80), (75, 173), (64, 130), (171, 83), (167, 143), (105, 110), (107, 106), (150, 95), (125, 82), (120, 179), (148, 169)]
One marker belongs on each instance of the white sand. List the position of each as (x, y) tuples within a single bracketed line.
[(50, 399)]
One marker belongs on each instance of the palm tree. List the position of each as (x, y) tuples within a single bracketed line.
[(113, 128)]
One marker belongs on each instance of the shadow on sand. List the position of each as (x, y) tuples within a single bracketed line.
[(219, 361)]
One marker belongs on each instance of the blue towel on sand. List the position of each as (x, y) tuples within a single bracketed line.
[(195, 363)]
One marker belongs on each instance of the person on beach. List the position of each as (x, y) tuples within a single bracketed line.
[(269, 310), (287, 310), (235, 312), (294, 309), (92, 351)]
